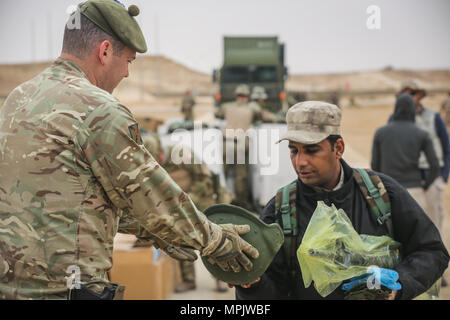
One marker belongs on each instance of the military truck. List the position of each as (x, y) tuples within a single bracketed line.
[(256, 61)]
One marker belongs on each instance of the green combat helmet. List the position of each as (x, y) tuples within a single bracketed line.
[(266, 238)]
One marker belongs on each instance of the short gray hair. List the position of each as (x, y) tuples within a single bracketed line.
[(81, 41)]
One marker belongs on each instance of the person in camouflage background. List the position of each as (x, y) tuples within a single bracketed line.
[(258, 100), (74, 171), (242, 95), (201, 185), (239, 116), (187, 106)]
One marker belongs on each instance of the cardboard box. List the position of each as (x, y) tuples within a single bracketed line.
[(143, 277)]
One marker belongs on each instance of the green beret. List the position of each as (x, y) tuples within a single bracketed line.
[(113, 18)]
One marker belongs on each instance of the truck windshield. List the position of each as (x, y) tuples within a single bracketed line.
[(253, 74), (264, 74), (235, 75)]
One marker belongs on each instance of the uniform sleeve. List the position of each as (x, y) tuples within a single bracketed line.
[(424, 256), (134, 182), (129, 225)]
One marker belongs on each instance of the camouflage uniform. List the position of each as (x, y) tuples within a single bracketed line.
[(73, 172), (239, 115), (187, 107)]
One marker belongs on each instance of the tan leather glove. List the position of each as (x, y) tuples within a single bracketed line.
[(178, 253), (233, 251)]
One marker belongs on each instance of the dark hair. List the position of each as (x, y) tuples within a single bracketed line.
[(81, 41), (332, 140)]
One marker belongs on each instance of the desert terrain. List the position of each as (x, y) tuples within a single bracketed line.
[(156, 84)]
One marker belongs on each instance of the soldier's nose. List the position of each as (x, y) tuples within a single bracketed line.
[(300, 161)]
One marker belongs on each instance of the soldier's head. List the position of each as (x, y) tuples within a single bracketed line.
[(259, 94), (409, 86), (418, 96), (315, 142), (242, 93), (102, 37)]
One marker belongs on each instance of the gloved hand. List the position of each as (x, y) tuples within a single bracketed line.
[(178, 253), (374, 279), (232, 250)]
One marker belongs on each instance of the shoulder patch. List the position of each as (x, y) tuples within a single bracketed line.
[(135, 134)]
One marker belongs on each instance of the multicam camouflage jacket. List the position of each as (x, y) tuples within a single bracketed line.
[(73, 172)]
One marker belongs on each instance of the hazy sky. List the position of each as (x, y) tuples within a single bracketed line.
[(320, 35)]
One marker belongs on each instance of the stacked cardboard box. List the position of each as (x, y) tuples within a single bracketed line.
[(145, 273)]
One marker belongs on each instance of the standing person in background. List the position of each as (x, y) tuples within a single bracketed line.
[(187, 106), (259, 96), (431, 121), (397, 147), (239, 116)]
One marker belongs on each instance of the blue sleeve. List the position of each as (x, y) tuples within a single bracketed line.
[(441, 131)]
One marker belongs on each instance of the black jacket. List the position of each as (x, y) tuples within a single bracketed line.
[(396, 147), (424, 255)]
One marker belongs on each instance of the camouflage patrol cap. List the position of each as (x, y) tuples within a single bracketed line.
[(242, 90), (267, 238), (258, 93), (113, 18), (311, 122)]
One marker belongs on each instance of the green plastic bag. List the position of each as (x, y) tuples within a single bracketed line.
[(332, 251)]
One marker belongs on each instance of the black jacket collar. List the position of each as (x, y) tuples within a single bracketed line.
[(336, 195)]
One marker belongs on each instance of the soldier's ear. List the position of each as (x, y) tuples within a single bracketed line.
[(105, 51), (339, 147)]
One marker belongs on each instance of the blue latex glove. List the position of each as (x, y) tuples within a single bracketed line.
[(375, 278)]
